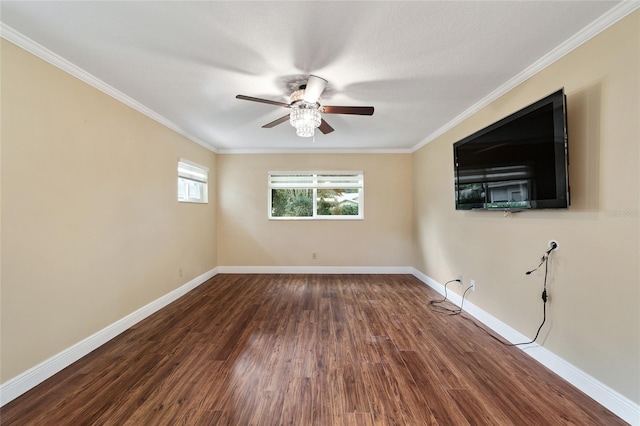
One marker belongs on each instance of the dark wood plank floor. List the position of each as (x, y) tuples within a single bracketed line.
[(305, 350)]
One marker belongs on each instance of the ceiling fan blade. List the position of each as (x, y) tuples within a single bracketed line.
[(276, 122), (355, 110), (324, 127), (264, 101), (315, 87)]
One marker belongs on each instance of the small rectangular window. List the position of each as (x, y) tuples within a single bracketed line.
[(316, 195), (192, 182)]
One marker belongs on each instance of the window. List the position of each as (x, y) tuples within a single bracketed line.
[(316, 195), (192, 182)]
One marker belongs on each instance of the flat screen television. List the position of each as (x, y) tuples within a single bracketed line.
[(518, 163)]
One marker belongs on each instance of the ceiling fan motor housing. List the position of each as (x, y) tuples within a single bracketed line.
[(297, 97)]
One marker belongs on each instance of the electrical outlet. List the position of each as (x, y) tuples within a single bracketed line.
[(460, 278), (472, 283), (314, 255), (551, 245)]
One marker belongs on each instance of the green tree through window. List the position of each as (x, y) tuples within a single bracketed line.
[(292, 202), (315, 195)]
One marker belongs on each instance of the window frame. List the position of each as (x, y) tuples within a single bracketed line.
[(314, 186), (191, 172)]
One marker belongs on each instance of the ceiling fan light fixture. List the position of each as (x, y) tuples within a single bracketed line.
[(306, 109), (297, 96), (305, 119)]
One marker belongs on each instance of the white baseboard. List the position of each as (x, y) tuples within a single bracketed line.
[(315, 270), (618, 404), (607, 397), (22, 383)]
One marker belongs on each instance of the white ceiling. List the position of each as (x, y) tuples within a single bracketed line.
[(420, 64)]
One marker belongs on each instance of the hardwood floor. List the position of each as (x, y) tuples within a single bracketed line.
[(305, 350)]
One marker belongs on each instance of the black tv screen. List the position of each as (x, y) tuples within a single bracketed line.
[(517, 163)]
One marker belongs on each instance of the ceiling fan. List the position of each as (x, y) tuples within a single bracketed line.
[(306, 110)]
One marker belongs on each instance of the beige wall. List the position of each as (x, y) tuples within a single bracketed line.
[(247, 238), (594, 278), (91, 229)]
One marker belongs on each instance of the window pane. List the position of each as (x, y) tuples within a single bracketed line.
[(192, 182), (182, 189), (316, 195), (342, 202), (195, 190), (291, 202), (192, 191)]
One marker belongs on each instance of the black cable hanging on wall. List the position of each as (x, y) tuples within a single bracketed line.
[(543, 261)]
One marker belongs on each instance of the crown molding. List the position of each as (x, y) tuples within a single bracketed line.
[(47, 55), (615, 14), (315, 151)]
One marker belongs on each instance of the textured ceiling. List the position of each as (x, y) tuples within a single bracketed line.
[(420, 64)]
